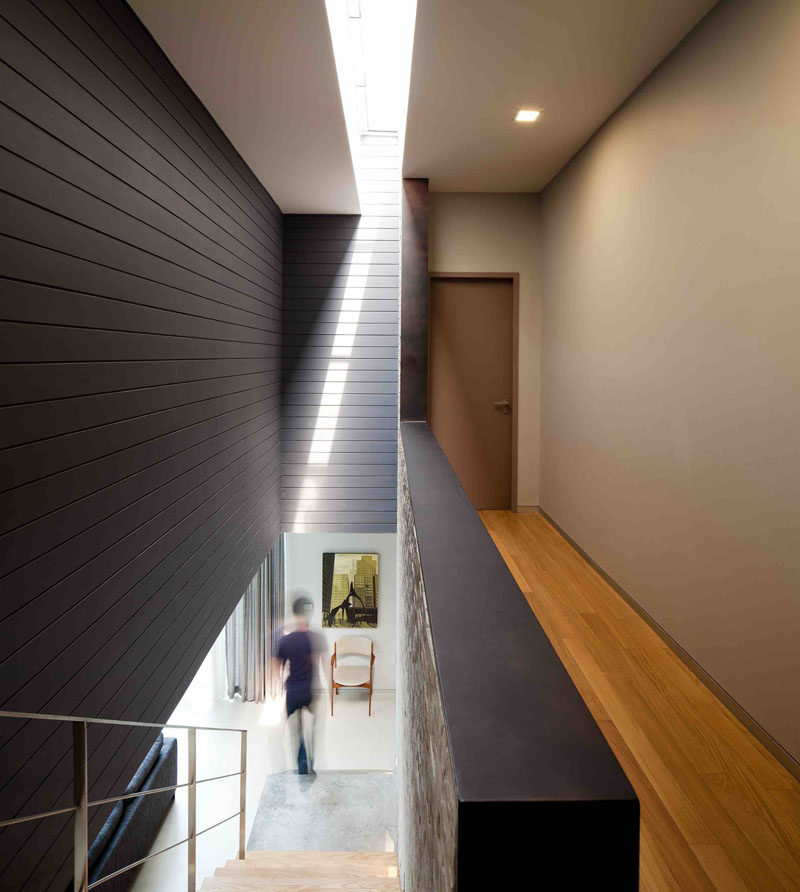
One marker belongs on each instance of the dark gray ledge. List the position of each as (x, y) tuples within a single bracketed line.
[(529, 760)]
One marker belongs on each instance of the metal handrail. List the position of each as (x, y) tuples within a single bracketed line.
[(80, 809), (4, 714), (63, 811)]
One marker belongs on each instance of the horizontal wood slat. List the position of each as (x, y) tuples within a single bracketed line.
[(300, 494), (345, 422), (342, 411), (352, 457)]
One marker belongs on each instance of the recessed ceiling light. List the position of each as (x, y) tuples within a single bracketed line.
[(526, 115)]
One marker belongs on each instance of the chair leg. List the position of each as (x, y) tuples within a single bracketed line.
[(370, 700)]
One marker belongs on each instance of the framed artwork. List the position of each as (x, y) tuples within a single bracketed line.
[(349, 590)]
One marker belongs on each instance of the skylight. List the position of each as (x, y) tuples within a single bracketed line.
[(372, 42)]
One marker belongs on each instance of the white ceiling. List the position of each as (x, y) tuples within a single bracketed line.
[(265, 70), (476, 62)]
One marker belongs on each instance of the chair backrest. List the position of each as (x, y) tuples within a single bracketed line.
[(353, 644)]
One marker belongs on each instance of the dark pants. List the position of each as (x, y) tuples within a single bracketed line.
[(302, 744)]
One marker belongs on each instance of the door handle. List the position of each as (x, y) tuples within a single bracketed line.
[(503, 406)]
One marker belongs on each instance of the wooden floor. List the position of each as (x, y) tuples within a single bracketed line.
[(718, 811)]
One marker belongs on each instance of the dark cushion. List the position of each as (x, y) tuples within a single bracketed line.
[(112, 821), (105, 833), (139, 823), (146, 767)]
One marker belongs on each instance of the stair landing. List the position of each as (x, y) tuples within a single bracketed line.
[(308, 872)]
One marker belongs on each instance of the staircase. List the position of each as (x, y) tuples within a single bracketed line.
[(308, 872)]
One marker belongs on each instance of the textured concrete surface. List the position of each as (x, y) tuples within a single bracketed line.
[(428, 805), (336, 811)]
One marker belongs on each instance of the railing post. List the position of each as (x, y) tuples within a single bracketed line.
[(242, 794), (81, 802), (192, 790)]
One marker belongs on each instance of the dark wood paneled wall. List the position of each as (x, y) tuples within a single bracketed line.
[(140, 265), (340, 360), (414, 302)]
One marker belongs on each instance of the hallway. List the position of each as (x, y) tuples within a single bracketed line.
[(718, 811)]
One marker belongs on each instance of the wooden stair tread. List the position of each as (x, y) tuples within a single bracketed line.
[(303, 870), (301, 884), (327, 857), (301, 865), (308, 872)]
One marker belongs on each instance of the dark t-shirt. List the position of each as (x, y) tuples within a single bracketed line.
[(300, 649)]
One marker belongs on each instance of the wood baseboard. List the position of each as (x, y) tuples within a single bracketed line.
[(527, 509), (757, 730)]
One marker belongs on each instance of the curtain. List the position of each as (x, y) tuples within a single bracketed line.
[(252, 630)]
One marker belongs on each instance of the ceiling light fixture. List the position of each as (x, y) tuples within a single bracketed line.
[(527, 115)]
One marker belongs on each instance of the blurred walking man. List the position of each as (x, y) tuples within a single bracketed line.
[(301, 649)]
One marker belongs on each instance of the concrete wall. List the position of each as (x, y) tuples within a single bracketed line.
[(483, 232), (670, 365), (303, 570), (428, 802)]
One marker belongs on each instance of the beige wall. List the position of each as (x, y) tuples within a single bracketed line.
[(671, 353), (485, 232)]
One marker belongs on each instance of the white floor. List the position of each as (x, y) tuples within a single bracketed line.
[(349, 740)]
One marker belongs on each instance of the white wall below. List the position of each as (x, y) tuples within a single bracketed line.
[(480, 232), (303, 570)]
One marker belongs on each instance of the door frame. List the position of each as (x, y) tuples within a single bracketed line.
[(514, 279)]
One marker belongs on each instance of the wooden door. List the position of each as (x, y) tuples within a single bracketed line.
[(470, 383)]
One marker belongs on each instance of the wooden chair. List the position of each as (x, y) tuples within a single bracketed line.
[(352, 675)]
